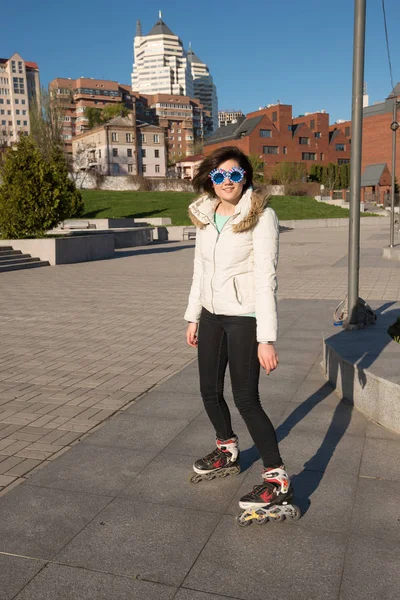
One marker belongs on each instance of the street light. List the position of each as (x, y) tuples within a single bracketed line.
[(394, 127)]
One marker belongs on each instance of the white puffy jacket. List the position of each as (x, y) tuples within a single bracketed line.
[(235, 270)]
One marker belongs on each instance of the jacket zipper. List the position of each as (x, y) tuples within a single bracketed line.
[(215, 246)]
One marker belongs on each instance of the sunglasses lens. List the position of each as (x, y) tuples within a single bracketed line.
[(236, 176), (218, 178)]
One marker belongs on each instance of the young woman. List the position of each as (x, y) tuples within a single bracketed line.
[(232, 316)]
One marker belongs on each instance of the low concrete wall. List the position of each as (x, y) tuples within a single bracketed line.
[(154, 220), (363, 367), (392, 253), (66, 250), (127, 183), (129, 238), (313, 223)]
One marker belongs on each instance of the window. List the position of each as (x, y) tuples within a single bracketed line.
[(3, 123), (114, 137), (17, 112), (20, 67), (129, 152), (18, 83), (22, 101), (322, 156), (24, 112), (143, 137), (130, 168), (179, 138), (144, 168), (312, 124), (317, 134), (309, 156), (156, 154), (143, 153), (115, 151), (270, 149), (265, 133), (347, 131), (128, 137), (99, 153), (304, 141), (157, 168), (115, 168), (156, 138), (340, 147), (274, 116), (16, 101), (289, 128), (18, 122), (284, 150), (343, 161), (25, 123)]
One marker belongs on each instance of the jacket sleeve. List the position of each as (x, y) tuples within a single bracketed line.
[(266, 250), (194, 306)]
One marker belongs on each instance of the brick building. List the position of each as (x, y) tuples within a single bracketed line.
[(73, 96), (184, 119), (275, 136)]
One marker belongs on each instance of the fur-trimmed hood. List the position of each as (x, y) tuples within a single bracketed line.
[(247, 212)]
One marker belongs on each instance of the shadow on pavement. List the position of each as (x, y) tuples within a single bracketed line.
[(304, 485), (153, 249)]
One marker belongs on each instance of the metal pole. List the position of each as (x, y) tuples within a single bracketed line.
[(355, 169), (394, 130)]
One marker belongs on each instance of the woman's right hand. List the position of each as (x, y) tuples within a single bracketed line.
[(191, 334)]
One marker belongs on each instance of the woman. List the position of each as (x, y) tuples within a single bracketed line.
[(232, 316)]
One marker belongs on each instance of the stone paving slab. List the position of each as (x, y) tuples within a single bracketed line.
[(115, 516)]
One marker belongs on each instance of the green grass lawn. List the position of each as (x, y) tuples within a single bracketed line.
[(103, 204)]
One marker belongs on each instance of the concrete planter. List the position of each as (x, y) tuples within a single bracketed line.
[(66, 250)]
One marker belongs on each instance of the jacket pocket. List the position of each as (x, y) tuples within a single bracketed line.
[(237, 291)]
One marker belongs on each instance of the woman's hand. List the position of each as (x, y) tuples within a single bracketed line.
[(191, 334), (268, 357)]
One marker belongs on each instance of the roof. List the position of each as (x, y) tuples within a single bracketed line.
[(31, 65), (234, 131), (192, 158), (333, 134), (120, 122), (378, 109), (372, 174), (193, 57), (160, 28), (396, 89)]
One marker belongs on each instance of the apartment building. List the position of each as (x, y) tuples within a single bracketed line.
[(73, 96), (275, 136), (204, 88), (184, 119), (19, 91), (227, 117), (122, 146)]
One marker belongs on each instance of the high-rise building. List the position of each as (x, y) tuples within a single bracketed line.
[(19, 90), (204, 87), (160, 63), (162, 66)]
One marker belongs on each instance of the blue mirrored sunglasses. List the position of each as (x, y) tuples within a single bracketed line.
[(236, 175)]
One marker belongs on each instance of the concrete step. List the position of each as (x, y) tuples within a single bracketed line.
[(7, 249), (5, 258), (35, 263)]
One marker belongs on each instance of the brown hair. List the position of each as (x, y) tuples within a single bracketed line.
[(202, 181)]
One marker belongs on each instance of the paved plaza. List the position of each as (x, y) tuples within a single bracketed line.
[(101, 419)]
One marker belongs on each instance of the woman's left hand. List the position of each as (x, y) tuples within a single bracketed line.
[(268, 357)]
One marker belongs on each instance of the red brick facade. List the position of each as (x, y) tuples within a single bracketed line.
[(277, 137)]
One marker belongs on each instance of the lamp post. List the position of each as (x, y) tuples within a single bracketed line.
[(394, 127), (355, 169)]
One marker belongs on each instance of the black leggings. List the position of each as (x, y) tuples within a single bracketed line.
[(230, 339)]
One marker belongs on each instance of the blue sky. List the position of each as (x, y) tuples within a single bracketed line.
[(259, 51)]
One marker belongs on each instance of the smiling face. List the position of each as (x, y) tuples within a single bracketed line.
[(229, 191)]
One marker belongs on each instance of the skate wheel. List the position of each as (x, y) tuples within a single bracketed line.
[(276, 518), (261, 519), (295, 513), (196, 478), (209, 476), (223, 474), (240, 520)]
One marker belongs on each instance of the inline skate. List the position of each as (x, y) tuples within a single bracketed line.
[(223, 461)]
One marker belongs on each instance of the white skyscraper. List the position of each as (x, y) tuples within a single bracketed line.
[(160, 63), (204, 87)]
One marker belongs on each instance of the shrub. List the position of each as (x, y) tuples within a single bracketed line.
[(36, 193)]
